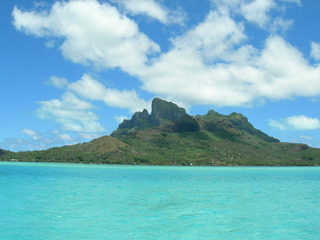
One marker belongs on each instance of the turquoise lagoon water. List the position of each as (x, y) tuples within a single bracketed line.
[(71, 201)]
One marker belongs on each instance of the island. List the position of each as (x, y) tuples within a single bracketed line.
[(170, 136)]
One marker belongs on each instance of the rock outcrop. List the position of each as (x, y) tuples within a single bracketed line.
[(162, 112)]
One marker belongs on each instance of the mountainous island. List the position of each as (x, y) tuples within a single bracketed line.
[(169, 136)]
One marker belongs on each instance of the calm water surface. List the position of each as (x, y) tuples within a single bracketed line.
[(74, 202)]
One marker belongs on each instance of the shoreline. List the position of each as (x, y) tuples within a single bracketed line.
[(156, 165)]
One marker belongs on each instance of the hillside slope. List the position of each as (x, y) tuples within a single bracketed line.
[(169, 136)]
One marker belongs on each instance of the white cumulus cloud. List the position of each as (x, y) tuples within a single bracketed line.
[(257, 11), (315, 50), (280, 25), (58, 82), (72, 113), (31, 133), (90, 88), (75, 113), (284, 71), (187, 72), (213, 62), (154, 10), (299, 122), (65, 137), (293, 1), (92, 32), (253, 11), (147, 7)]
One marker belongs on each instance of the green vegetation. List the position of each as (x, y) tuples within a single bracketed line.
[(169, 136)]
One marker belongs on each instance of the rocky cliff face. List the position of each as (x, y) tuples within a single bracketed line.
[(162, 112), (175, 119), (139, 121)]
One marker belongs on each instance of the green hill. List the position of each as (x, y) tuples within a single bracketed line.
[(169, 136)]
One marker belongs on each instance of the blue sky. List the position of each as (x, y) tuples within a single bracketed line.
[(72, 70)]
